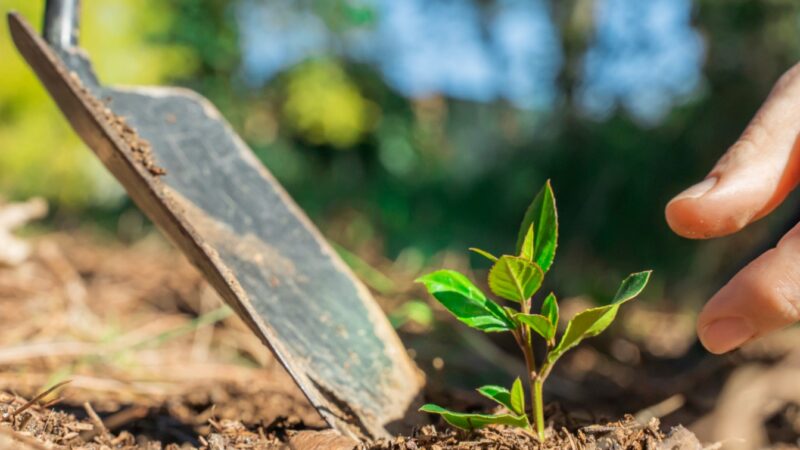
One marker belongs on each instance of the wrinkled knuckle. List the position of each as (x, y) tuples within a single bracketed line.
[(789, 291), (780, 297), (787, 303)]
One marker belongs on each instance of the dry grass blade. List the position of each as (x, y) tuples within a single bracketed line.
[(52, 402), (215, 424), (41, 395), (661, 409), (99, 427), (126, 416), (572, 444)]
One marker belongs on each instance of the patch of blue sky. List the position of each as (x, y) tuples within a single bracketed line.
[(421, 47), (528, 46), (428, 47), (276, 35), (645, 57)]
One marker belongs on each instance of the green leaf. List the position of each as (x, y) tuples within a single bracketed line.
[(632, 286), (518, 397), (498, 394), (484, 253), (542, 215), (538, 323), (471, 422), (514, 401), (594, 321), (528, 246), (514, 278), (465, 301), (550, 310)]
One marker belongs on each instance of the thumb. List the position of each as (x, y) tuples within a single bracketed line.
[(762, 297), (755, 174)]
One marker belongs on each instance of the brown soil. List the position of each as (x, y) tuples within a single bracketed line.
[(37, 427), (144, 344), (149, 351), (623, 435), (30, 424), (140, 147)]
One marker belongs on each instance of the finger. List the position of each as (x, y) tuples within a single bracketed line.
[(755, 174), (762, 297)]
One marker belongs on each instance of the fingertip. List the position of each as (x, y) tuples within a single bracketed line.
[(716, 207), (685, 213), (685, 218), (758, 300), (725, 334)]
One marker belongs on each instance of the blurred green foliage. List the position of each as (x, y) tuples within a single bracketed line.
[(325, 107)]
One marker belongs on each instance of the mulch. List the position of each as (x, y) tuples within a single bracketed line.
[(153, 362)]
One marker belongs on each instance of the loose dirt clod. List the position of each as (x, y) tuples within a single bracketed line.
[(142, 151)]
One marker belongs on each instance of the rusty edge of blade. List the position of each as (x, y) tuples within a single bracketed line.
[(152, 197)]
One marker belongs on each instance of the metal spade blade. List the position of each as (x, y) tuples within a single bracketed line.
[(233, 220)]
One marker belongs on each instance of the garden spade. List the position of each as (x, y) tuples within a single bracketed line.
[(198, 181)]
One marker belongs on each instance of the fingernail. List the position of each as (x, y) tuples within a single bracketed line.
[(698, 189), (724, 335)]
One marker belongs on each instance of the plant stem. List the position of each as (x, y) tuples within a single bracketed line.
[(530, 362), (526, 345), (538, 407)]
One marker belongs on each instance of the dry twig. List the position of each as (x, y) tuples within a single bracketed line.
[(37, 398)]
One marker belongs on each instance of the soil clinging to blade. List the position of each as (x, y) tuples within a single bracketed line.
[(141, 150)]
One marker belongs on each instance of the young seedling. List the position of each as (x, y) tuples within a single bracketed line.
[(516, 278)]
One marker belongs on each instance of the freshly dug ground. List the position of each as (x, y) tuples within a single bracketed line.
[(153, 361), (624, 434)]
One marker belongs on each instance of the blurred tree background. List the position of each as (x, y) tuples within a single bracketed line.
[(407, 128)]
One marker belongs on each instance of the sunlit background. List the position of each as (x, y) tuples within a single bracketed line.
[(410, 130)]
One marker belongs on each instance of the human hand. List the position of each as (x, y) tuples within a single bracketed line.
[(749, 181)]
